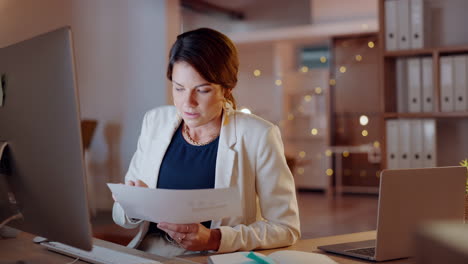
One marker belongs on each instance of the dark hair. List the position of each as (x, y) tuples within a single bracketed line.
[(211, 53)]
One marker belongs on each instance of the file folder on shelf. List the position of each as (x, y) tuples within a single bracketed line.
[(391, 25), (404, 144), (392, 144), (404, 33), (427, 85), (402, 85), (416, 147), (446, 84), (460, 83), (429, 146), (414, 85), (417, 24)]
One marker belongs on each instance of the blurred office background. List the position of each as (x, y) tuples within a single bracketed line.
[(316, 68)]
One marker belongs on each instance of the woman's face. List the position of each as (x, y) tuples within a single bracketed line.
[(198, 101)]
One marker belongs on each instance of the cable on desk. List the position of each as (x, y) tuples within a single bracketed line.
[(11, 218), (73, 262)]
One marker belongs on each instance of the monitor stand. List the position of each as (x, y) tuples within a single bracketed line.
[(6, 231)]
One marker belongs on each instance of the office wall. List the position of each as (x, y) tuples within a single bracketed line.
[(329, 11), (23, 19), (121, 51), (258, 93)]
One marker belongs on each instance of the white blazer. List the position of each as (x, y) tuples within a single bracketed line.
[(250, 157)]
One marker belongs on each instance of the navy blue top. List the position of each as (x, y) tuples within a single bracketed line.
[(187, 166)]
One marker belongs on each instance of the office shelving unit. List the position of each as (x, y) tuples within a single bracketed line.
[(452, 127)]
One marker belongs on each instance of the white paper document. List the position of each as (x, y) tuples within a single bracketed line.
[(177, 206)]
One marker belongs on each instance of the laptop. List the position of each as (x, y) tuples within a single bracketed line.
[(407, 198)]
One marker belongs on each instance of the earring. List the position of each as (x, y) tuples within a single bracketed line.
[(228, 109), (228, 106)]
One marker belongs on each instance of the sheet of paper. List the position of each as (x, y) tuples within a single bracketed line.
[(177, 206)]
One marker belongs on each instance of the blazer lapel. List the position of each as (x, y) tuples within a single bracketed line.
[(225, 169), (158, 149), (226, 155)]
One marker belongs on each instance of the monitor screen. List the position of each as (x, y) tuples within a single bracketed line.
[(43, 165)]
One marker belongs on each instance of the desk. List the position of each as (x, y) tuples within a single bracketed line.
[(22, 248), (310, 245)]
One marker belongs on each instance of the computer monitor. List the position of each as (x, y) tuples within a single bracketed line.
[(43, 163)]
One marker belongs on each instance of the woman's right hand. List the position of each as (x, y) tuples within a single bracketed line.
[(136, 183)]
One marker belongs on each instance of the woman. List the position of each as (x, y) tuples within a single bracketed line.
[(203, 142)]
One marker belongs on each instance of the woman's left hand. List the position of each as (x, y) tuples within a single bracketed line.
[(194, 237)]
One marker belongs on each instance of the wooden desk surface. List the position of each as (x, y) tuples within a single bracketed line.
[(310, 245), (22, 248)]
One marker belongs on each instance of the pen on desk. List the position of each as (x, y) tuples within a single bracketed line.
[(259, 259)]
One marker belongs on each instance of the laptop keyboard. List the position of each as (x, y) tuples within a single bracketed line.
[(363, 251)]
